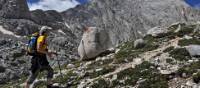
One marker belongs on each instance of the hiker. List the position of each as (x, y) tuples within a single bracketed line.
[(39, 60)]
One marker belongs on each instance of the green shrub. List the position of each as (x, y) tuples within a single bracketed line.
[(100, 83), (180, 54), (169, 49), (169, 60), (185, 29), (147, 71), (189, 69), (128, 52), (196, 78), (186, 42), (105, 70)]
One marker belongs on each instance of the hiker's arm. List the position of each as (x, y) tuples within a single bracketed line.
[(39, 49)]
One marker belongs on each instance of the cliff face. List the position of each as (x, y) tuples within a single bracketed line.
[(15, 9), (129, 19)]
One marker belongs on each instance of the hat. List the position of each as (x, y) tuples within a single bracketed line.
[(44, 29)]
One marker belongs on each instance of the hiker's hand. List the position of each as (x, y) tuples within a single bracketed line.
[(50, 54)]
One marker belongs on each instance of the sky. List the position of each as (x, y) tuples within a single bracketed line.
[(193, 3), (58, 5)]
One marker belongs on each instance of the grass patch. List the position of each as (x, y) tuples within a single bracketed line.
[(196, 77), (128, 52), (170, 61), (147, 71), (15, 83), (104, 70), (168, 49), (97, 64), (185, 29), (100, 83), (186, 42), (41, 85), (180, 54), (65, 78), (189, 69)]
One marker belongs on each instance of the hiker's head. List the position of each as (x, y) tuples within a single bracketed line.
[(44, 30)]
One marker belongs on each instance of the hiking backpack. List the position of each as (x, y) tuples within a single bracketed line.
[(32, 44)]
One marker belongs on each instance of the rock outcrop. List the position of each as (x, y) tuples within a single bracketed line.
[(14, 9)]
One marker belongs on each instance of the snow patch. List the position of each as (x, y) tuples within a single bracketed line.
[(4, 31)]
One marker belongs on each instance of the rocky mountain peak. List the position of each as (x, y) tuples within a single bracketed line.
[(16, 9)]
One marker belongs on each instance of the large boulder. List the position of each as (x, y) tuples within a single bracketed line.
[(194, 50), (94, 42)]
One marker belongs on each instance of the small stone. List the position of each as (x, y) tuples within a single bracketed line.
[(159, 68), (190, 61), (190, 83), (139, 43), (187, 37), (104, 58), (56, 84), (165, 72), (178, 29), (184, 75), (70, 66), (114, 77), (137, 61), (117, 50), (157, 31), (99, 69)]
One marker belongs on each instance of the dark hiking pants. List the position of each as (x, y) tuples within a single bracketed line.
[(39, 64)]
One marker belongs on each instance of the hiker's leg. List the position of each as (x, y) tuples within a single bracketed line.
[(33, 72), (31, 78), (49, 74)]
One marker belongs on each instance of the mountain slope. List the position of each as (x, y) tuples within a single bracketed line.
[(128, 19)]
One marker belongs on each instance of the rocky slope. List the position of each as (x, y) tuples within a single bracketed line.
[(16, 24), (125, 20), (164, 60)]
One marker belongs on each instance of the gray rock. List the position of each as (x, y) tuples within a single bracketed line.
[(2, 42), (2, 69), (139, 43), (70, 66), (157, 32), (194, 50), (94, 42)]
